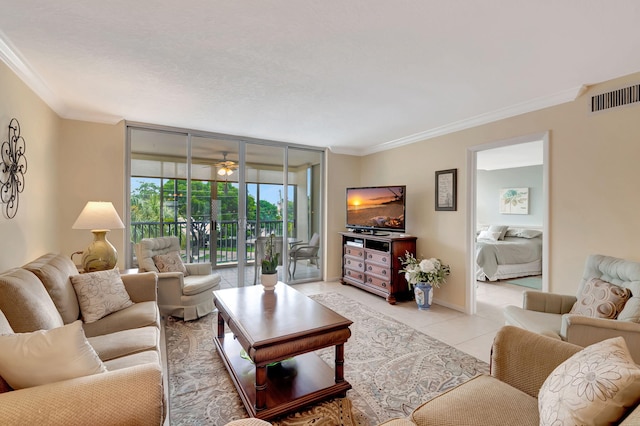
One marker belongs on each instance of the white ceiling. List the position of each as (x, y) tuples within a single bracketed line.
[(358, 76), (511, 156)]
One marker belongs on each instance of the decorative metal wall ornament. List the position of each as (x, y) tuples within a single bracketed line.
[(13, 166)]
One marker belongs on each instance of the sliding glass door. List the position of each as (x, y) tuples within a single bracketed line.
[(220, 195)]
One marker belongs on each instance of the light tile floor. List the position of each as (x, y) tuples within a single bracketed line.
[(470, 333)]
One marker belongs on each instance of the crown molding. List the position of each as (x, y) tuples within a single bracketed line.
[(521, 108), (14, 60)]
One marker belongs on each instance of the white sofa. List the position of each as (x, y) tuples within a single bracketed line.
[(40, 296)]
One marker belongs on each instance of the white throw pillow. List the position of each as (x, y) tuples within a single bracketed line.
[(595, 386), (47, 356), (488, 236), (100, 293)]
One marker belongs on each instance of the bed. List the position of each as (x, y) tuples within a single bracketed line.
[(515, 253)]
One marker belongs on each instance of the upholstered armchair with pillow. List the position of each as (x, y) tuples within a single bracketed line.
[(185, 290), (607, 305)]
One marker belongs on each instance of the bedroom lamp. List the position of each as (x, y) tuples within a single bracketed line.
[(100, 217)]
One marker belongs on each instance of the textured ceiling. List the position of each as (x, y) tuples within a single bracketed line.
[(358, 76)]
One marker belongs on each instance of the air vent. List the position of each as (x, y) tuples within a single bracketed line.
[(615, 98)]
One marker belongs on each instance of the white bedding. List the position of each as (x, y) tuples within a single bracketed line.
[(509, 258)]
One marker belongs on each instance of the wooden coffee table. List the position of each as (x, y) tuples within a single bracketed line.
[(281, 325)]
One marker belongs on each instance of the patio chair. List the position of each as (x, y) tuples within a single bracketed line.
[(189, 297), (304, 251)]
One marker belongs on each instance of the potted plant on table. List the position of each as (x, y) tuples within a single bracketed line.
[(422, 275), (270, 261)]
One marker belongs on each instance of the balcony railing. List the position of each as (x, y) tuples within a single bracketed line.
[(199, 238)]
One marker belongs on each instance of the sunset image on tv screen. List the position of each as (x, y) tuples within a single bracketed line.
[(381, 207)]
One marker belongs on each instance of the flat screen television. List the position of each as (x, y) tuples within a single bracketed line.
[(376, 208)]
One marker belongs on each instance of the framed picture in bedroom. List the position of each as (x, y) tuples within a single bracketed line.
[(446, 190), (514, 201)]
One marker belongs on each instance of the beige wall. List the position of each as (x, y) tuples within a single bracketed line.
[(92, 157), (342, 171), (594, 198), (33, 230)]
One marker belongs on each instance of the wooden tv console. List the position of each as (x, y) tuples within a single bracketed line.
[(371, 262)]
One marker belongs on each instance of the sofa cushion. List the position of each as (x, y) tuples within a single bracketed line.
[(543, 323), (26, 303), (141, 314), (486, 401), (170, 262), (126, 342), (5, 327), (196, 284), (100, 293), (54, 271), (146, 357), (593, 387), (46, 356), (600, 299)]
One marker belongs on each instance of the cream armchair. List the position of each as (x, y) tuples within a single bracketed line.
[(548, 314), (189, 297)]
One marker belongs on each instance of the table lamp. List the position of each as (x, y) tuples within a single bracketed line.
[(100, 217)]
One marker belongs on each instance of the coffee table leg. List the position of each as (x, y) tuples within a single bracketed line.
[(261, 388), (220, 326), (339, 363)]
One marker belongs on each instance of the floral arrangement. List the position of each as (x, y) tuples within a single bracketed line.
[(271, 257), (431, 271)]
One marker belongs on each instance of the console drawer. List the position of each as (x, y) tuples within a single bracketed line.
[(354, 251), (357, 264), (378, 270), (354, 275), (378, 282), (379, 257)]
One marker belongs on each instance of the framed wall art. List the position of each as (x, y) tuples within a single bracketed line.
[(446, 190), (514, 201)]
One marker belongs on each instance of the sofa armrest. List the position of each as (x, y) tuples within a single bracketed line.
[(142, 287), (132, 395), (199, 268), (547, 302), (524, 359), (584, 331)]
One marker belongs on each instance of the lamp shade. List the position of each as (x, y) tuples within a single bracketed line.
[(98, 215)]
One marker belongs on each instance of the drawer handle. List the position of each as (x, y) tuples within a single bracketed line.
[(384, 259), (384, 272)]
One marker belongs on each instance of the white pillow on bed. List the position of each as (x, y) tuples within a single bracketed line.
[(501, 229), (489, 236)]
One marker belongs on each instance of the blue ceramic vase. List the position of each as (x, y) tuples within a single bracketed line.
[(423, 295)]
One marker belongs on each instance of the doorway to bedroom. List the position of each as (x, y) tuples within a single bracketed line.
[(507, 218)]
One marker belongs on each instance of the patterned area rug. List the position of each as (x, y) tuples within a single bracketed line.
[(392, 368)]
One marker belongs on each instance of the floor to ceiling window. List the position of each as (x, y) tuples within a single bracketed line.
[(219, 195)]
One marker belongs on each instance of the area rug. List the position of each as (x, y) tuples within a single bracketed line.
[(530, 282), (392, 367)]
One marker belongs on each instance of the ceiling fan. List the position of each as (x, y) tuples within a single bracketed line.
[(226, 167)]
